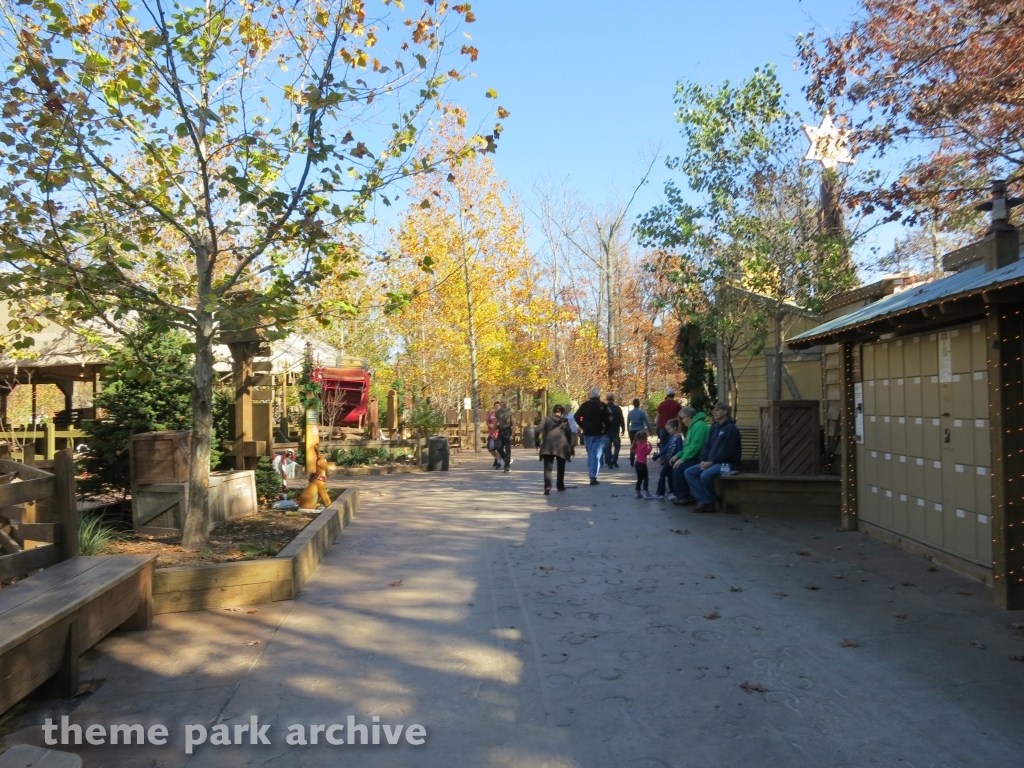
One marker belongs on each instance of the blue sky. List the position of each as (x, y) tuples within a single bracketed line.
[(590, 84)]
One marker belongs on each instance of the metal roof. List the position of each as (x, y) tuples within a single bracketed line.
[(964, 283)]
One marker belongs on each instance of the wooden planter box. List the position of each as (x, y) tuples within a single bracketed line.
[(249, 582), (160, 508), (159, 457)]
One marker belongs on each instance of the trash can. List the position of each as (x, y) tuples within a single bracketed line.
[(529, 437), (438, 454)]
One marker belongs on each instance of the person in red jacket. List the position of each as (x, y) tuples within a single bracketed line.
[(668, 409)]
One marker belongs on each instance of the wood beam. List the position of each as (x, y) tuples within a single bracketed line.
[(1004, 332), (848, 439)]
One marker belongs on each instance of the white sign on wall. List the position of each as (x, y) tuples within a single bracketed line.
[(467, 403), (945, 359)]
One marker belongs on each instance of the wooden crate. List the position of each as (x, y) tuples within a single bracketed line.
[(159, 457), (790, 438)]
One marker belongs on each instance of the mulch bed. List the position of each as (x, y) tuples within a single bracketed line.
[(251, 538)]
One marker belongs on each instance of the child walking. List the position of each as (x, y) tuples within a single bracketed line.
[(642, 449)]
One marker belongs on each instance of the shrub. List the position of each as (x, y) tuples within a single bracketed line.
[(148, 392), (268, 481), (381, 455), (94, 536), (425, 419)]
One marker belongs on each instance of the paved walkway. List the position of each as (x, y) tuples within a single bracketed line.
[(582, 629)]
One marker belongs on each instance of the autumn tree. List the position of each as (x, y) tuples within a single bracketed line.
[(937, 86), (190, 164), (475, 316)]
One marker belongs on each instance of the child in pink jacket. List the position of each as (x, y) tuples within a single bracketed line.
[(643, 450)]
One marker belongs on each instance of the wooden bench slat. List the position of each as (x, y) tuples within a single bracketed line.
[(51, 606), (16, 594)]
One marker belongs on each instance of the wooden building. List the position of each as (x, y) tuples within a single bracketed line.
[(931, 387)]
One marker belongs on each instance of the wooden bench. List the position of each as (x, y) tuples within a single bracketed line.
[(795, 496), (50, 618)]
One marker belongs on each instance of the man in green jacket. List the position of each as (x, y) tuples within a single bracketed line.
[(696, 435)]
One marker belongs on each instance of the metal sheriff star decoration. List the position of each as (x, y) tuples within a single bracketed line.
[(829, 145)]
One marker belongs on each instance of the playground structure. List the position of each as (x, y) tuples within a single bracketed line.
[(345, 395)]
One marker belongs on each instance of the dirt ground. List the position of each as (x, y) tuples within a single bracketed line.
[(250, 538)]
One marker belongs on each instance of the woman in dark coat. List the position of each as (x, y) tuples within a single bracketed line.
[(555, 446)]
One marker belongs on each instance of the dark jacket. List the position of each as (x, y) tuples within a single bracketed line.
[(593, 417), (617, 424), (555, 437), (723, 445)]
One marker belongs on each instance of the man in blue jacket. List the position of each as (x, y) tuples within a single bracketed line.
[(721, 454)]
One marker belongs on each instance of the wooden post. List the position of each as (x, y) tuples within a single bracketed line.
[(391, 424), (312, 440), (51, 440), (35, 405), (65, 503), (848, 440), (242, 354), (1004, 329)]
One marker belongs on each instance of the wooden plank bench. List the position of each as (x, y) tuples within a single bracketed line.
[(50, 618)]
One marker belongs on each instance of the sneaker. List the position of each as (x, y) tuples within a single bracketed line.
[(639, 495), (704, 508), (689, 501), (593, 481), (659, 496), (547, 491), (497, 464), (506, 469), (647, 495), (670, 496), (511, 461)]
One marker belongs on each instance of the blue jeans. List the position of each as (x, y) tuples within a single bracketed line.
[(681, 487), (595, 450), (702, 484)]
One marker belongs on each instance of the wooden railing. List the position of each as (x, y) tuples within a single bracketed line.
[(47, 432), (40, 515)]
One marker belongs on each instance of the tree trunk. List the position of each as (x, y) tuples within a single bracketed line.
[(197, 516), (474, 379)]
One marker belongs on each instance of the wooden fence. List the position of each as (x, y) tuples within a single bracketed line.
[(47, 432), (39, 525), (790, 438)]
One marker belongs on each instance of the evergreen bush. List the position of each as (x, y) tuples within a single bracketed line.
[(146, 388)]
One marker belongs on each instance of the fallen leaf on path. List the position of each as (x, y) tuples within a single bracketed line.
[(470, 604), (233, 610), (713, 615), (615, 495), (780, 595), (803, 553), (546, 567), (396, 583), (734, 528), (933, 568), (838, 547), (908, 584), (812, 587), (900, 615), (976, 644), (709, 575), (751, 687), (735, 589), (1017, 625), (849, 644), (965, 594), (838, 576), (681, 531), (251, 612), (251, 643), (1017, 658)]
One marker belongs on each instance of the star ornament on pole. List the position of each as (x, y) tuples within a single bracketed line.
[(830, 146)]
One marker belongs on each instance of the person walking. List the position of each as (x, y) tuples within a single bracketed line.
[(493, 441), (570, 414), (636, 420), (668, 409), (555, 446), (641, 449), (616, 427), (722, 452), (593, 418), (696, 435), (505, 417), (664, 455)]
